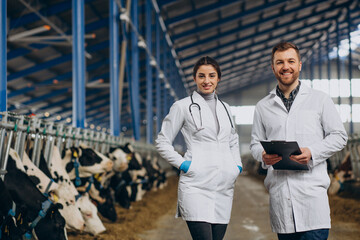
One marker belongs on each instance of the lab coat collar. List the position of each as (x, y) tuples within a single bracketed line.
[(301, 96), (303, 91)]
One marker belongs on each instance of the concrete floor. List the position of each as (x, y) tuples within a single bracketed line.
[(249, 221)]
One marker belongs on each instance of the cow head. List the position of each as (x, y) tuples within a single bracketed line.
[(119, 158), (91, 162), (93, 223), (127, 148)]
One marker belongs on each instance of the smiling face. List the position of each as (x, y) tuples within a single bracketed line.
[(206, 79), (286, 66)]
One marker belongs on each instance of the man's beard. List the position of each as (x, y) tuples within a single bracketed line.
[(287, 83)]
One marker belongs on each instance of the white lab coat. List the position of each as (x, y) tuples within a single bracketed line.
[(205, 192), (298, 199)]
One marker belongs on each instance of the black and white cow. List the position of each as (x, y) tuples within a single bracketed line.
[(89, 211), (121, 193), (58, 192), (47, 222), (84, 163)]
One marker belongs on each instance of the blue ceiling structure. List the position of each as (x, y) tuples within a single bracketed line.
[(239, 34)]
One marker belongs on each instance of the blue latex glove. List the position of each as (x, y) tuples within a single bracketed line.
[(240, 168), (185, 166)]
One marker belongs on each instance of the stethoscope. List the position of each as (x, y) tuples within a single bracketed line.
[(194, 104)]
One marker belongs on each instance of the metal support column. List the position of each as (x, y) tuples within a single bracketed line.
[(134, 82), (78, 63), (328, 60), (3, 56), (312, 69), (149, 81), (166, 85), (338, 59), (158, 83), (350, 70), (114, 68), (320, 63)]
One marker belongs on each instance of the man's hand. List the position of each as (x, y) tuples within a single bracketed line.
[(303, 158), (270, 159)]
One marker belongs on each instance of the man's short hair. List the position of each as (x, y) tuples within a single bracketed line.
[(283, 46)]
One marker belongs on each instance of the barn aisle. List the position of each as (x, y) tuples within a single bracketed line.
[(250, 217), (153, 217)]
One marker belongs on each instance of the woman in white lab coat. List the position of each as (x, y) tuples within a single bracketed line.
[(212, 162)]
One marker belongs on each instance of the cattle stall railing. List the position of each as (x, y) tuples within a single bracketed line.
[(23, 132)]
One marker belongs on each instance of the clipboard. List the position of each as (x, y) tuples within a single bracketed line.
[(284, 149)]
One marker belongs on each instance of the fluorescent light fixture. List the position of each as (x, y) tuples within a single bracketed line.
[(27, 33)]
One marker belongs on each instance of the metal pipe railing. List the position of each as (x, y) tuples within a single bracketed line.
[(43, 135)]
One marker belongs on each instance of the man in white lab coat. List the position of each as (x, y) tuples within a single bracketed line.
[(299, 207)]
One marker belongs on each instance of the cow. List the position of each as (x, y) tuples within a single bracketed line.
[(47, 222), (134, 177), (119, 158), (84, 163), (342, 173), (88, 210), (121, 193), (9, 210), (111, 183), (160, 181), (140, 180), (107, 208), (58, 192)]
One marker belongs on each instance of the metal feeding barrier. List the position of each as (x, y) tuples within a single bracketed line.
[(38, 136)]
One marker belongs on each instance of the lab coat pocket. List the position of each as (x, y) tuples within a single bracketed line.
[(189, 169)]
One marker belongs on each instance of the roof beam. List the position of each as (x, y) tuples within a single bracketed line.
[(23, 51), (241, 28), (54, 62), (162, 3), (268, 31), (47, 11), (200, 11), (282, 36), (227, 20)]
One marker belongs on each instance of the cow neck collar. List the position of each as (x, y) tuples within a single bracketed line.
[(45, 206), (11, 213), (75, 160)]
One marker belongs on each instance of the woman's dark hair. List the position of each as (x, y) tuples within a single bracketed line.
[(207, 61)]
